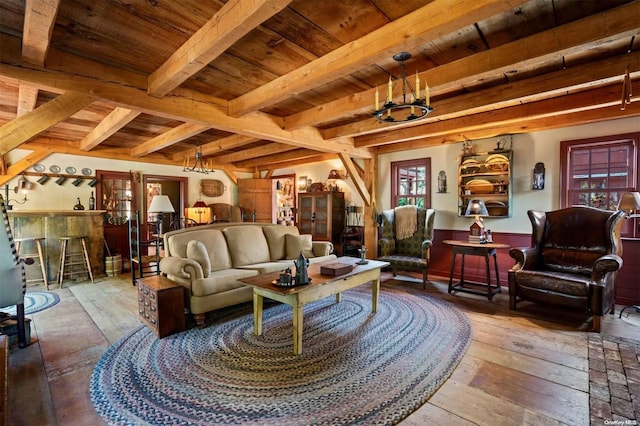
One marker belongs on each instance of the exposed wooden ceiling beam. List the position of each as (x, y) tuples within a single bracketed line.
[(58, 146), (580, 101), (39, 18), (173, 136), (23, 164), (358, 182), (215, 147), (611, 112), (299, 156), (23, 128), (27, 98), (576, 36), (116, 120), (260, 151), (233, 21), (547, 85), (258, 125), (436, 18)]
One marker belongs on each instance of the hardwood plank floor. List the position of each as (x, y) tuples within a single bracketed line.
[(527, 367)]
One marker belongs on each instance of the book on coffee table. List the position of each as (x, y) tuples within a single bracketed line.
[(335, 269)]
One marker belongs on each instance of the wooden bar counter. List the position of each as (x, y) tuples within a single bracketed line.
[(59, 223)]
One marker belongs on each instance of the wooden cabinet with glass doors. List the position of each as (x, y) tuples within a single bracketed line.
[(116, 193)]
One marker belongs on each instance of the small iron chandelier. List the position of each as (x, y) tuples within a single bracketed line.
[(414, 108), (199, 164)]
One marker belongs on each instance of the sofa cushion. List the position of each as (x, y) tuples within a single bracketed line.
[(212, 239), (275, 236), (198, 252), (220, 281), (247, 245), (299, 243)]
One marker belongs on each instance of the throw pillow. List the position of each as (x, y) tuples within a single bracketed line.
[(299, 243), (198, 252)]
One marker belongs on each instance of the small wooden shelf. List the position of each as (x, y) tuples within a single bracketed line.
[(497, 174)]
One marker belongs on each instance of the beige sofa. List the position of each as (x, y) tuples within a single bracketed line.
[(209, 260)]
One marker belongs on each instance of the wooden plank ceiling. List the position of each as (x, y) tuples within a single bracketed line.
[(264, 84)]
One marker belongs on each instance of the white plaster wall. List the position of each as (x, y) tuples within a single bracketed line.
[(528, 149)]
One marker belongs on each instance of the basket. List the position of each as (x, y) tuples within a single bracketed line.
[(497, 163), (211, 187)]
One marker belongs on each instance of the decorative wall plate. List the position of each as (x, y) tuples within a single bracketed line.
[(70, 170), (39, 167), (54, 169), (87, 171)]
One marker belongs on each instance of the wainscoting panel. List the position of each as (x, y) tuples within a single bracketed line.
[(628, 285)]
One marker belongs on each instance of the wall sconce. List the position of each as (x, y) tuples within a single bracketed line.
[(76, 182), (24, 186), (61, 180), (442, 182), (93, 182), (43, 179), (538, 176)]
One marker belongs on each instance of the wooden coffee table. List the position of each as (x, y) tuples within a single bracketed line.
[(321, 286)]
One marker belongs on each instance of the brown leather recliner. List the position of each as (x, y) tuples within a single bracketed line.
[(573, 260)]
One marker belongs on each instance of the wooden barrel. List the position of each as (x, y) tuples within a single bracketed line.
[(113, 265)]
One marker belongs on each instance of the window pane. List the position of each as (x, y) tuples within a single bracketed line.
[(411, 182)]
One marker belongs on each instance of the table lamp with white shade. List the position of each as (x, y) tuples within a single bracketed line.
[(160, 204)]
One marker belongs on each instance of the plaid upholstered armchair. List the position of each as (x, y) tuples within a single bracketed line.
[(411, 253)]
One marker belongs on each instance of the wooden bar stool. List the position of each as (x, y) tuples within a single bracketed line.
[(40, 255), (70, 259)]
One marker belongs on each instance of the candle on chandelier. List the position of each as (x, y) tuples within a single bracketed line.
[(390, 95), (417, 86), (426, 95), (377, 100), (413, 109)]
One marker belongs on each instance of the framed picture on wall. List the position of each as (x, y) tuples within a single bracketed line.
[(302, 184)]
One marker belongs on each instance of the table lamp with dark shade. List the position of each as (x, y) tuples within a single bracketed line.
[(200, 212), (160, 204), (477, 209), (630, 204)]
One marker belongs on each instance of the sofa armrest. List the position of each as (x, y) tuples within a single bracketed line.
[(605, 264), (321, 248), (181, 267), (387, 246), (525, 258)]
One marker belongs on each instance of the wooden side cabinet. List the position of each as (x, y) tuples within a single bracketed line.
[(322, 215), (161, 305)]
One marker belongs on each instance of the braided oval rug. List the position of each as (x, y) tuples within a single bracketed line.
[(355, 368), (35, 301)]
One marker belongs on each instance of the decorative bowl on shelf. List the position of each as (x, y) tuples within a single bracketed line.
[(497, 163), (479, 186), (496, 208), (470, 165)]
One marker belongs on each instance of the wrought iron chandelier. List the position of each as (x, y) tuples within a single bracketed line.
[(413, 108), (199, 163)]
